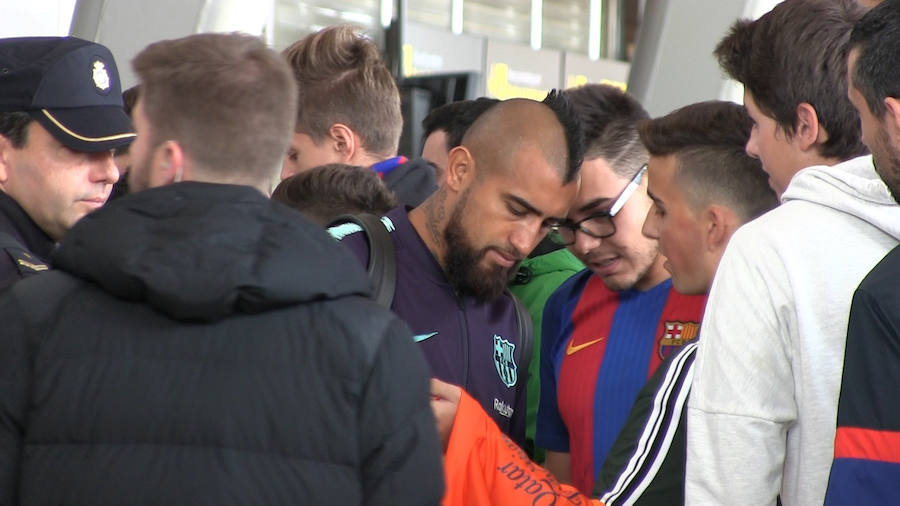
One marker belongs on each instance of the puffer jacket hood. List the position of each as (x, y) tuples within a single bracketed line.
[(203, 251), (412, 182), (830, 185)]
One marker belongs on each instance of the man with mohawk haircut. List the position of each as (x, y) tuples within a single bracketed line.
[(703, 188), (513, 177)]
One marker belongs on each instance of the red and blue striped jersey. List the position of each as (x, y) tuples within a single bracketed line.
[(599, 347)]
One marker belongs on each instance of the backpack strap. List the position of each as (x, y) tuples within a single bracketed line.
[(383, 274), (526, 333), (382, 256)]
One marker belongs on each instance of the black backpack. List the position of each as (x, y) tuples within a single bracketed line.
[(382, 272)]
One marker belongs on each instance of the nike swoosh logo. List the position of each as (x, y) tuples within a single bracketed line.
[(421, 337), (574, 349)]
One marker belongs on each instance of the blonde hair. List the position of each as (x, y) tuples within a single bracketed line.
[(341, 78)]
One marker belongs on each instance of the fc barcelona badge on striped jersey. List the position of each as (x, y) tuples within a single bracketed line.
[(675, 335), (504, 360)]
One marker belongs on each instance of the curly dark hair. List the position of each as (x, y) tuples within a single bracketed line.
[(707, 140)]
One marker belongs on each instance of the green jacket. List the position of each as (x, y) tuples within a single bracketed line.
[(537, 278)]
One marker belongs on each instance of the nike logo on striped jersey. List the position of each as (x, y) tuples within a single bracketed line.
[(574, 349)]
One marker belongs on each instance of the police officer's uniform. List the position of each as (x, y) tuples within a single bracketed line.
[(71, 87), (25, 247)]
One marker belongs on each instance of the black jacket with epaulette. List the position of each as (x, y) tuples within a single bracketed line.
[(200, 344), (25, 249)]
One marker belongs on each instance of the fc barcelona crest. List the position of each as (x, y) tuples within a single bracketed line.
[(505, 361), (675, 335)]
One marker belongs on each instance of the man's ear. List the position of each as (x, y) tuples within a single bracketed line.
[(721, 222), (344, 141), (172, 162), (460, 167), (891, 120), (808, 132), (6, 148)]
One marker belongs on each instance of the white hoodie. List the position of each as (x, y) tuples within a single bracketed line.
[(763, 405)]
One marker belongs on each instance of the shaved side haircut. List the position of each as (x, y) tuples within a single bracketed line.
[(549, 125), (610, 118), (341, 78), (707, 140)]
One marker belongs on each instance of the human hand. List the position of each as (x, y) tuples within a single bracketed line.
[(444, 403)]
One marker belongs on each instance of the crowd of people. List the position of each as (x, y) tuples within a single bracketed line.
[(225, 286)]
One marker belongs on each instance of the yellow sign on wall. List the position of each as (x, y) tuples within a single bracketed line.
[(573, 81), (409, 69), (498, 85), (580, 70), (429, 51)]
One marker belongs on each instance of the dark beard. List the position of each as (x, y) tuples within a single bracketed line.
[(888, 167), (461, 263)]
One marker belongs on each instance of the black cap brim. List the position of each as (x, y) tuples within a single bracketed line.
[(88, 129)]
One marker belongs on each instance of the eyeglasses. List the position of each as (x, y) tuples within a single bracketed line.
[(599, 224)]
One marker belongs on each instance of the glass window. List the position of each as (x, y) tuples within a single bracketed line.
[(435, 13), (565, 25), (508, 20), (297, 19)]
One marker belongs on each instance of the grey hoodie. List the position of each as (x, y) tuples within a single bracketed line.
[(761, 416)]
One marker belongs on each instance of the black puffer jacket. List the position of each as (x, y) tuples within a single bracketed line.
[(203, 345)]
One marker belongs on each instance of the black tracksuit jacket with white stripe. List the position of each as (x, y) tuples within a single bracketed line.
[(646, 463)]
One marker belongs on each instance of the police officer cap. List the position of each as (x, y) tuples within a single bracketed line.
[(70, 86)]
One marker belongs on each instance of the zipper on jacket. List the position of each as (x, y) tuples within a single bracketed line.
[(465, 335)]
